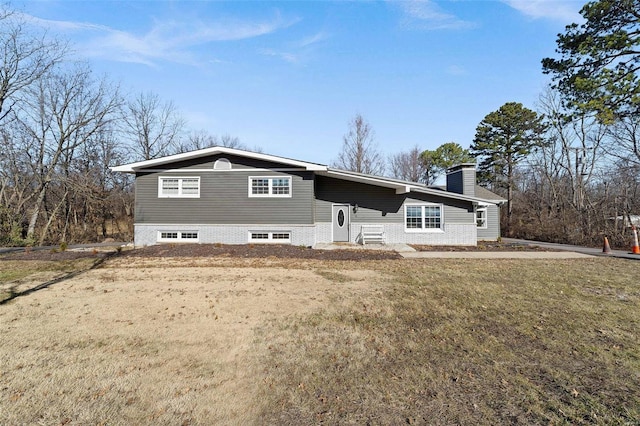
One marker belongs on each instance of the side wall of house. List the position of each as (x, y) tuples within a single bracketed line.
[(492, 231), (224, 212), (382, 206)]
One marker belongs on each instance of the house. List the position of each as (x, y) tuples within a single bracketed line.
[(231, 196)]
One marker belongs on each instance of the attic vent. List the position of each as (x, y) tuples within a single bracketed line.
[(222, 164)]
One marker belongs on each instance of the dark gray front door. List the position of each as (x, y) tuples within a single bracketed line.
[(341, 222)]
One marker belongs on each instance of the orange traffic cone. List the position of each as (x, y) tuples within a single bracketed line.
[(636, 248), (605, 247)]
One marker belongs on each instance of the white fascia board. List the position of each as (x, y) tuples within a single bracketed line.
[(133, 167), (403, 189)]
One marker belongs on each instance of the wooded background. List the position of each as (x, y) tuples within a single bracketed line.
[(570, 167)]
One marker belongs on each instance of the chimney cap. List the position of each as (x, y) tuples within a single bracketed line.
[(461, 166)]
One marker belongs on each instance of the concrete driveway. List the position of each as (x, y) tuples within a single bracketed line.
[(624, 254)]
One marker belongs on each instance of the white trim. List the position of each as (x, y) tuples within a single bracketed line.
[(180, 236), (222, 171), (423, 229), (180, 187), (269, 237), (270, 193)]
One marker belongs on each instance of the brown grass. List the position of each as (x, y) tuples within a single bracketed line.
[(237, 341)]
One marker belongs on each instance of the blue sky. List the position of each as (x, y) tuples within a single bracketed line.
[(288, 76)]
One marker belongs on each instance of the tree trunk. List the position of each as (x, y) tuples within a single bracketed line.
[(509, 194), (51, 218), (36, 211)]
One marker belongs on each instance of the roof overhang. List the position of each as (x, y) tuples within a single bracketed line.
[(400, 187), (134, 167)]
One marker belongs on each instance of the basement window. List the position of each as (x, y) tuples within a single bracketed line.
[(178, 236), (276, 237)]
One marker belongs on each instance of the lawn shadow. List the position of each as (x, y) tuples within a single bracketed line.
[(13, 294)]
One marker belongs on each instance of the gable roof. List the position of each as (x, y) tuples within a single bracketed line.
[(400, 186), (134, 167)]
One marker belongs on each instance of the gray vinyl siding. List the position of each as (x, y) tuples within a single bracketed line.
[(381, 205), (493, 224), (224, 199)]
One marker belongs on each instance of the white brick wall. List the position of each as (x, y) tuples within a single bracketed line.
[(301, 235), (453, 234), (309, 235)]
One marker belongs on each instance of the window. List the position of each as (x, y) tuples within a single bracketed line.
[(423, 217), (278, 237), (222, 164), (178, 236), (269, 186), (179, 187), (481, 217)]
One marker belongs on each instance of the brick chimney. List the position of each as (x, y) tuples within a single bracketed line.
[(462, 179)]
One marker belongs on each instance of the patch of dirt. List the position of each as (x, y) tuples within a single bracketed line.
[(260, 251), (484, 246)]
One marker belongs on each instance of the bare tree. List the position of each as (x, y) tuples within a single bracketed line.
[(153, 127), (16, 186), (24, 58), (359, 153), (65, 110), (100, 198), (409, 166), (624, 139), (202, 139)]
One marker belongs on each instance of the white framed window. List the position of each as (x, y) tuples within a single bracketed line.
[(178, 187), (178, 236), (481, 217), (275, 237), (269, 186), (423, 217)]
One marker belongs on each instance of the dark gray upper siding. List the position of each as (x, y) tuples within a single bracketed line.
[(237, 162), (224, 199), (380, 205)]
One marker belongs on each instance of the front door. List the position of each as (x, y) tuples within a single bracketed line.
[(341, 222)]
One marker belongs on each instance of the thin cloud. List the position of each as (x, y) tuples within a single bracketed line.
[(292, 58), (427, 15), (566, 11), (171, 40), (297, 52), (314, 39)]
